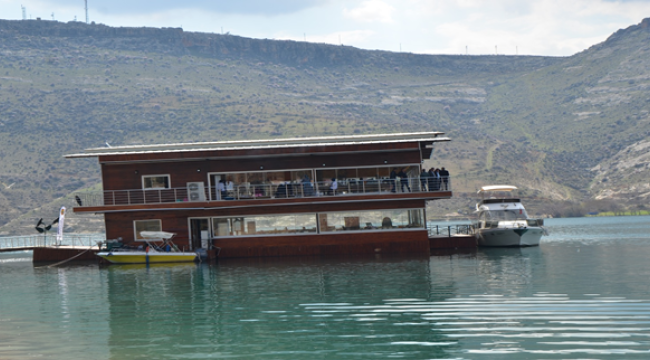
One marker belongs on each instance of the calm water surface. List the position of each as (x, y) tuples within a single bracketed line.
[(583, 294)]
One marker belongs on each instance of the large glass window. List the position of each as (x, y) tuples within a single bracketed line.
[(261, 225), (155, 182), (264, 184), (363, 180), (145, 225), (310, 182), (371, 220), (264, 225)]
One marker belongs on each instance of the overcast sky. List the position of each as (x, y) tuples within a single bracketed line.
[(524, 27)]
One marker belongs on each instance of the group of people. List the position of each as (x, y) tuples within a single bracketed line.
[(287, 189), (434, 179)]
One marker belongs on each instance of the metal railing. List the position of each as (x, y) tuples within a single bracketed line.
[(450, 230), (252, 191), (32, 241)]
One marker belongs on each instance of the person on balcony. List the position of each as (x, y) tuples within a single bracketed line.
[(333, 187), (434, 183), (424, 179), (281, 191), (221, 186), (404, 180), (307, 187), (444, 179), (393, 179)]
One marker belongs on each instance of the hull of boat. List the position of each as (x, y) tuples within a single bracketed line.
[(529, 236), (141, 257)]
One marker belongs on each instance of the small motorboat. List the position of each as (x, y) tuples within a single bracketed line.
[(503, 221), (150, 253)]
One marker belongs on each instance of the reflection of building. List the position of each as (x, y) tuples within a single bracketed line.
[(298, 196)]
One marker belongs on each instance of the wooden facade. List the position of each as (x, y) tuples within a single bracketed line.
[(124, 201)]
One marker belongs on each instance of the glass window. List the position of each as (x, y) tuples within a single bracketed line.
[(371, 220), (325, 175), (221, 227), (514, 214), (155, 182), (384, 172), (296, 183), (343, 174), (368, 173), (265, 225), (145, 225)]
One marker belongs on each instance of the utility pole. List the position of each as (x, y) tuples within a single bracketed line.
[(86, 6)]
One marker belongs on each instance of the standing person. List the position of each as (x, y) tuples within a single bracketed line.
[(334, 186), (424, 179), (431, 180), (444, 177), (221, 186), (404, 180), (307, 187), (230, 187), (393, 178)]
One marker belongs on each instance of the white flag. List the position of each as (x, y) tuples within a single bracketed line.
[(59, 232)]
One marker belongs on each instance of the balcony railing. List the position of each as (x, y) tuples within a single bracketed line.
[(249, 191)]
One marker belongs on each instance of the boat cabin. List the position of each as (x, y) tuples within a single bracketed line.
[(299, 196)]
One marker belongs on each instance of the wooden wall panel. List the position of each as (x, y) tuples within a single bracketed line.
[(357, 243), (121, 224)]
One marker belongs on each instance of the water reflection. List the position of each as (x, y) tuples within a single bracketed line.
[(275, 308), (570, 298)]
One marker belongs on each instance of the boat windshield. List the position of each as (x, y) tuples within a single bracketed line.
[(514, 214)]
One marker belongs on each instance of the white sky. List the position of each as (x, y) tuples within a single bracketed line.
[(526, 27)]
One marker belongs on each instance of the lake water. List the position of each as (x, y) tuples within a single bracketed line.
[(584, 293)]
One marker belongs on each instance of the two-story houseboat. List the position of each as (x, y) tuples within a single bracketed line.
[(300, 196)]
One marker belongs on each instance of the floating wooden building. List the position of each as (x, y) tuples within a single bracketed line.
[(302, 196)]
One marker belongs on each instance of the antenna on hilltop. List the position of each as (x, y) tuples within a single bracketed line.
[(86, 6), (52, 16), (24, 12)]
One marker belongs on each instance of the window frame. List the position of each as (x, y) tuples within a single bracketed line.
[(231, 219), (135, 230), (169, 181)]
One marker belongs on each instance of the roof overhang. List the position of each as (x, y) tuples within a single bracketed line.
[(324, 141)]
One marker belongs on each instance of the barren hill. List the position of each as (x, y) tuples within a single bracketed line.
[(572, 128)]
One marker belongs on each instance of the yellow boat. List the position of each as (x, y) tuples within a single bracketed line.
[(143, 257), (150, 255)]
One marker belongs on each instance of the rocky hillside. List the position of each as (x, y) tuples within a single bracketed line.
[(570, 128)]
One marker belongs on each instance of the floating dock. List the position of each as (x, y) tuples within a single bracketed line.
[(61, 253)]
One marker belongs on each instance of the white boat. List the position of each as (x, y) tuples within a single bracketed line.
[(503, 221), (150, 254)]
